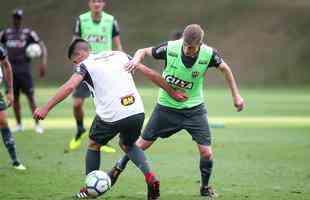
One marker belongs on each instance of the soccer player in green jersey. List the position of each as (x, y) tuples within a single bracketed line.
[(6, 134), (186, 63), (101, 30)]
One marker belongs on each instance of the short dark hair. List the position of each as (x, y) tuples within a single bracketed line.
[(73, 45), (193, 34)]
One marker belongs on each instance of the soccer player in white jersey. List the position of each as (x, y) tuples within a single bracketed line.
[(119, 107)]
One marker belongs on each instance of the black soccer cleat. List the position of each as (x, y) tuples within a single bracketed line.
[(208, 191), (153, 192), (114, 174)]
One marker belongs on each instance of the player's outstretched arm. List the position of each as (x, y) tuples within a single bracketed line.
[(238, 100), (138, 58), (158, 80), (65, 90), (117, 42), (8, 76)]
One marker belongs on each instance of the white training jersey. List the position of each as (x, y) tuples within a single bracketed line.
[(113, 88)]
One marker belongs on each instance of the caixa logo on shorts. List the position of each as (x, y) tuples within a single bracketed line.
[(128, 100), (172, 80)]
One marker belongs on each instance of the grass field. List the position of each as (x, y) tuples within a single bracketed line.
[(262, 153)]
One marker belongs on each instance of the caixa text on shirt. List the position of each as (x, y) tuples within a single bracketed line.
[(172, 80)]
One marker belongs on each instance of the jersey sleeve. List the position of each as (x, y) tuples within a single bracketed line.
[(2, 36), (34, 37), (216, 59), (160, 52), (81, 70), (77, 28), (116, 29), (3, 53)]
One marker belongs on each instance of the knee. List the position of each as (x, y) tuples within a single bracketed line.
[(206, 153), (94, 146), (77, 104), (125, 147)]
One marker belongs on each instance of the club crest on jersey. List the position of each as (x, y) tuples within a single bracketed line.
[(128, 100), (172, 80), (195, 74)]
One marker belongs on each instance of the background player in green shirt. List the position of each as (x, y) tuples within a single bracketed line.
[(186, 63), (100, 30)]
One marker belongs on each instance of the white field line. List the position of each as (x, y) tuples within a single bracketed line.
[(276, 121)]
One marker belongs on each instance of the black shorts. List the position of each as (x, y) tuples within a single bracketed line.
[(166, 121), (22, 82), (81, 91), (129, 128)]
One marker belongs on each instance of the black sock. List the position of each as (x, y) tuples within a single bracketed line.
[(137, 156), (122, 163), (9, 143), (80, 128), (92, 161), (205, 170)]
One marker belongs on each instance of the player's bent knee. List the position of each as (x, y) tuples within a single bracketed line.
[(143, 144), (206, 152), (94, 146)]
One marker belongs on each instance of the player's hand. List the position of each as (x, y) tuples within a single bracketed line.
[(42, 68), (40, 113), (239, 103), (9, 98), (178, 96), (131, 65)]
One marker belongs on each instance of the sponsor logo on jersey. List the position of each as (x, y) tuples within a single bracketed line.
[(195, 74), (97, 39), (15, 44), (174, 81), (128, 100)]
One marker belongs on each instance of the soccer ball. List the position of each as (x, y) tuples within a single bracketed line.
[(97, 183), (33, 50)]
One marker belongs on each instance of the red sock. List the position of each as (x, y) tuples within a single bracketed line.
[(149, 177)]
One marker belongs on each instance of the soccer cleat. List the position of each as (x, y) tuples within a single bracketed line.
[(39, 129), (77, 140), (114, 174), (74, 144), (18, 129), (83, 194), (19, 166), (153, 192), (107, 149), (208, 191)]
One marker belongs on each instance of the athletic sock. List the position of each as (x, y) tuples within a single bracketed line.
[(9, 143), (80, 128), (137, 156), (92, 160), (206, 166), (122, 163)]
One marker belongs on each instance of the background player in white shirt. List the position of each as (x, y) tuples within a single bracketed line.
[(119, 107)]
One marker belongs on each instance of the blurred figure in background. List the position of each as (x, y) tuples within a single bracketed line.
[(16, 39), (7, 137), (100, 30)]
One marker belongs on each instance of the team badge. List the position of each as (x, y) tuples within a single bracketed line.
[(104, 29), (195, 74), (128, 100)]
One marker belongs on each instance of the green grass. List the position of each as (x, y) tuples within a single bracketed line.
[(263, 153)]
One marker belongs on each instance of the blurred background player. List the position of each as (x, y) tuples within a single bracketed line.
[(118, 111), (187, 61), (16, 39), (7, 137), (100, 30)]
